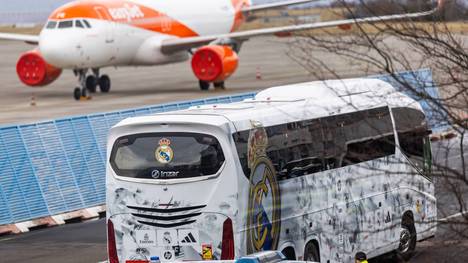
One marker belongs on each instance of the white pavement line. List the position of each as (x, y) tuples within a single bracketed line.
[(445, 219), (105, 261)]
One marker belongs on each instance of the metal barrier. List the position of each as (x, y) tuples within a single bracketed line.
[(58, 166)]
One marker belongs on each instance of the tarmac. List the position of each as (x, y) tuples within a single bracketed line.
[(140, 86)]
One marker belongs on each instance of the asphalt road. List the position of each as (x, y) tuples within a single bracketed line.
[(80, 242), (274, 58), (136, 87)]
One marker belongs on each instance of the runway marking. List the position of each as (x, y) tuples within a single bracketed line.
[(6, 239), (445, 219)]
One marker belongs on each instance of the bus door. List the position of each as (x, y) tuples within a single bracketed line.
[(348, 216), (340, 215), (376, 226), (338, 225)]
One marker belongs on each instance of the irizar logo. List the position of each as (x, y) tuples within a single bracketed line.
[(127, 12), (156, 174)]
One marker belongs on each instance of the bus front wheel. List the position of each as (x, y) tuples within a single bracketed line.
[(311, 252), (407, 239)]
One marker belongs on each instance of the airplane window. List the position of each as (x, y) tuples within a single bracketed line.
[(66, 24), (51, 25), (88, 25), (79, 24)]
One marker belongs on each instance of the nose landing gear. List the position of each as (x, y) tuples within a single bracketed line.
[(89, 83)]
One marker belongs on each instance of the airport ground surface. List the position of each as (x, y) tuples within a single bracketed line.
[(135, 87)]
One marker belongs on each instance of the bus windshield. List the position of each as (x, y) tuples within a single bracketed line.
[(166, 155), (413, 137)]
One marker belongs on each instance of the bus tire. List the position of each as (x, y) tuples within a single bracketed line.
[(408, 239), (311, 252)]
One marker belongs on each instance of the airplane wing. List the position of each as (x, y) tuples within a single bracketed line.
[(254, 8), (30, 39), (172, 45)]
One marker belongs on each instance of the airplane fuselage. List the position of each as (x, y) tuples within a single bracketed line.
[(102, 33), (87, 35)]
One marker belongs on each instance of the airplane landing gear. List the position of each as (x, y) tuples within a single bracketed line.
[(204, 85), (219, 85), (89, 83), (77, 93), (81, 90), (104, 83)]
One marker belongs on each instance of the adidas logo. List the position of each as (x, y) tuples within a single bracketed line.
[(189, 239)]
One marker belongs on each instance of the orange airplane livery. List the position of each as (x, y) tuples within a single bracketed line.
[(87, 35)]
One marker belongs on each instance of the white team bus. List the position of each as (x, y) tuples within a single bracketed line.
[(317, 170)]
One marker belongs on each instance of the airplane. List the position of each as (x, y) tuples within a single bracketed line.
[(88, 35)]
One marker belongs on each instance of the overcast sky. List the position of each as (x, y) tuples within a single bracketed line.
[(30, 5), (48, 5)]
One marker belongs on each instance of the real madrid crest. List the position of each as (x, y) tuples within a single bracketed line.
[(164, 153), (264, 208)]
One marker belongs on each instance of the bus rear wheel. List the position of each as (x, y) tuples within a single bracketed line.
[(311, 253), (408, 240)]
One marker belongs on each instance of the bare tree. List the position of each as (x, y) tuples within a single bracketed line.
[(392, 47)]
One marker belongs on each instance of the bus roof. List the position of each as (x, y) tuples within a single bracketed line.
[(291, 103)]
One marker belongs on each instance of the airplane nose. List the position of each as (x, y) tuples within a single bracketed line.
[(57, 50)]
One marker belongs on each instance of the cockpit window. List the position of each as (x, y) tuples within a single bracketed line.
[(51, 25), (66, 24), (79, 24), (88, 25)]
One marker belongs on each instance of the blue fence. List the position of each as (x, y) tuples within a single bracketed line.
[(58, 166)]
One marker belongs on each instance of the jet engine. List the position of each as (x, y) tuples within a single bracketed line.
[(214, 63), (34, 71)]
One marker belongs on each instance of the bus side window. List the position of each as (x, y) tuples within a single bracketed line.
[(368, 135), (293, 150), (316, 145), (369, 150)]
